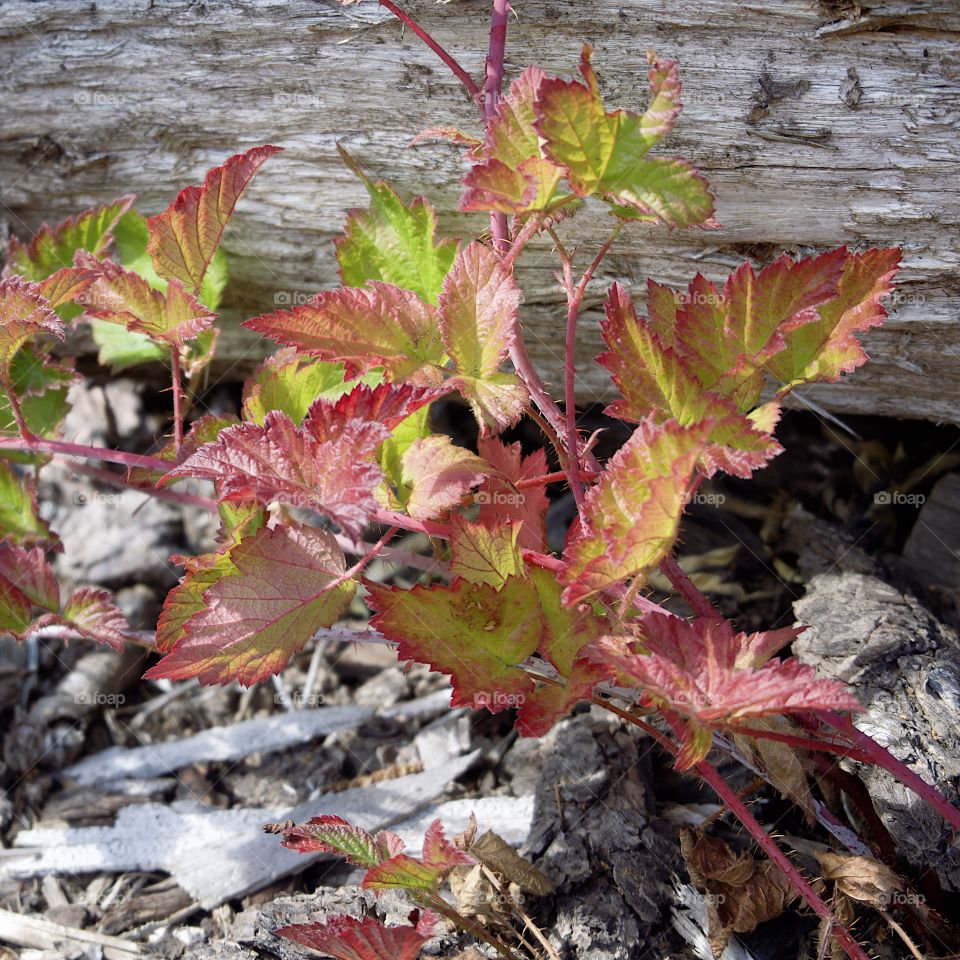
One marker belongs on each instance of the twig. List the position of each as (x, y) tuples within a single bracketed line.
[(455, 67), (442, 907), (7, 383), (177, 397)]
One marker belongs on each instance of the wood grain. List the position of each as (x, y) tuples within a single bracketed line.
[(817, 126)]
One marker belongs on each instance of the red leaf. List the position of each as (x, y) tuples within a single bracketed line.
[(185, 236), (478, 315), (376, 325), (548, 703), (711, 675), (438, 475), (287, 583), (328, 464), (347, 939), (387, 404), (93, 615), (66, 285), (439, 852), (24, 313), (332, 834), (827, 348), (499, 497), (123, 297), (27, 569)]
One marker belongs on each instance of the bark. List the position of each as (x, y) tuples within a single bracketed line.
[(817, 123)]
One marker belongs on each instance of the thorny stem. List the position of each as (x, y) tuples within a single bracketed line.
[(368, 556), (551, 434), (521, 240), (871, 751), (177, 397), (803, 743), (575, 296), (172, 496), (84, 452), (492, 85), (7, 383), (455, 67), (687, 588), (740, 810), (875, 753), (442, 907)]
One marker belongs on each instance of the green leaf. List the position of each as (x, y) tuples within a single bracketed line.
[(654, 378), (120, 349), (19, 520), (42, 388), (479, 322), (415, 427), (632, 514), (475, 633), (290, 383), (286, 583), (393, 242), (483, 554), (604, 153)]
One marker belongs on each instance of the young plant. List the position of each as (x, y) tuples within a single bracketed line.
[(476, 870), (336, 424)]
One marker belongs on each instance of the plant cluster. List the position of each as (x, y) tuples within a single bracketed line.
[(334, 440)]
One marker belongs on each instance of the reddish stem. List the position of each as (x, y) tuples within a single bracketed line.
[(25, 432), (522, 238), (455, 67), (177, 397), (172, 496), (687, 588), (876, 754), (369, 555), (804, 743), (740, 810), (84, 452), (492, 85), (559, 476)]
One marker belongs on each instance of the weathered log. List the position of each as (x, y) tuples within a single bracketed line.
[(817, 123)]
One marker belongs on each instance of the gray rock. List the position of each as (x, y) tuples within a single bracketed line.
[(116, 537)]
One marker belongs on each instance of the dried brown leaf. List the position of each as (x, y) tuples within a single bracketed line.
[(497, 855), (861, 878)]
